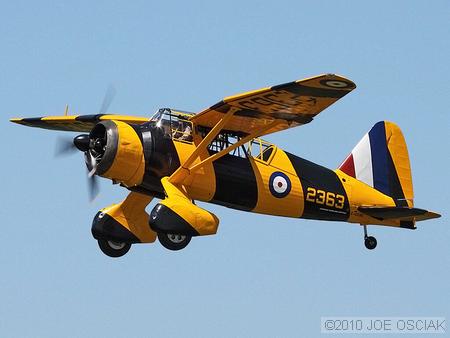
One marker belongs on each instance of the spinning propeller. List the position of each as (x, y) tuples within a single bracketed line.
[(92, 145)]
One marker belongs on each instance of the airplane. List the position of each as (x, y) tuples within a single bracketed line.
[(218, 156)]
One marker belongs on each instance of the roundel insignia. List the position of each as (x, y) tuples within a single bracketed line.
[(336, 84), (279, 184)]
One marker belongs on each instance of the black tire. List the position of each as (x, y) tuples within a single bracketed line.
[(370, 242), (113, 248), (173, 242)]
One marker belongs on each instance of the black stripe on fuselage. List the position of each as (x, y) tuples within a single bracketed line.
[(236, 185), (314, 176), (161, 158)]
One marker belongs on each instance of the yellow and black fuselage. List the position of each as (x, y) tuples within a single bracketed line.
[(277, 183)]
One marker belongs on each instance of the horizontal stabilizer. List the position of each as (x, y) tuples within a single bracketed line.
[(400, 213)]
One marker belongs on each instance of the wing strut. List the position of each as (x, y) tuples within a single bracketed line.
[(183, 171), (186, 169), (225, 151)]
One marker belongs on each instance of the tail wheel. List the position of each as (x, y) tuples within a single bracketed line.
[(370, 242), (112, 248), (173, 241)]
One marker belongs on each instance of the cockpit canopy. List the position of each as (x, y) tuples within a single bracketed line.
[(175, 124)]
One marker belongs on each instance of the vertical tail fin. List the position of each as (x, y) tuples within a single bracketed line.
[(381, 160)]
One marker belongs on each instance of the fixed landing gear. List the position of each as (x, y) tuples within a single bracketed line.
[(173, 241), (112, 248), (369, 241)]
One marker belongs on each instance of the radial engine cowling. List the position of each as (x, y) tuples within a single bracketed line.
[(118, 152)]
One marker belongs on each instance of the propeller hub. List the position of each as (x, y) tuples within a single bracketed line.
[(81, 142)]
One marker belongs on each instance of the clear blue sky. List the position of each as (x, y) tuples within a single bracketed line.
[(260, 276)]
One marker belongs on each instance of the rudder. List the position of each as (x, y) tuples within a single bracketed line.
[(381, 161)]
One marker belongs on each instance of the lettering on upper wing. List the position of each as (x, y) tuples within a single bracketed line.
[(278, 100)]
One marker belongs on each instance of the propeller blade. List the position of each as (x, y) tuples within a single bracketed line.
[(92, 179), (92, 165), (93, 187), (64, 146), (107, 99)]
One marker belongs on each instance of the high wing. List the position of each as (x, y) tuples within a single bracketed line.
[(292, 104), (79, 123)]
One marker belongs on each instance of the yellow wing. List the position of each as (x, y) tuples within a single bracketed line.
[(293, 103), (79, 123)]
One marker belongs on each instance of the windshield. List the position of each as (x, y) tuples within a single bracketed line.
[(174, 124)]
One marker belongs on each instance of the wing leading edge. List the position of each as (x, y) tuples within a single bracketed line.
[(78, 123)]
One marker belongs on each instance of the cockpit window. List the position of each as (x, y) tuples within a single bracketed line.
[(257, 148), (181, 130), (175, 126), (260, 149)]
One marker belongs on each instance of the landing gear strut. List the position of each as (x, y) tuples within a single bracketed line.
[(369, 241)]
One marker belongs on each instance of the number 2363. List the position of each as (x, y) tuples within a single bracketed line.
[(325, 197)]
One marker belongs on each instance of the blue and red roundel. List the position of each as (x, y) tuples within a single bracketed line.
[(279, 184)]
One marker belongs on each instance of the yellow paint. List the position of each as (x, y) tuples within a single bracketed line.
[(69, 122), (64, 118), (177, 200), (246, 94), (399, 153), (315, 81), (180, 174), (201, 185), (232, 147), (131, 214), (360, 194), (125, 118), (291, 205), (184, 150), (270, 100), (129, 164)]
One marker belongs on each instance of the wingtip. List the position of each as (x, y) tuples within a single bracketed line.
[(343, 78), (331, 81), (15, 120), (436, 215)]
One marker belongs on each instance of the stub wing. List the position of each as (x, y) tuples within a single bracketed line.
[(293, 104), (78, 123)]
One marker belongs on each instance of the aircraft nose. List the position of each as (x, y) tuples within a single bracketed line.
[(118, 152)]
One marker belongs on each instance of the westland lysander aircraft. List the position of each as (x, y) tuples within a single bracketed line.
[(217, 156)]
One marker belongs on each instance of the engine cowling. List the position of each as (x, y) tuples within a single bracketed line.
[(118, 152)]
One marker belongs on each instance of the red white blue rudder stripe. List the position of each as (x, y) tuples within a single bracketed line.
[(371, 162)]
